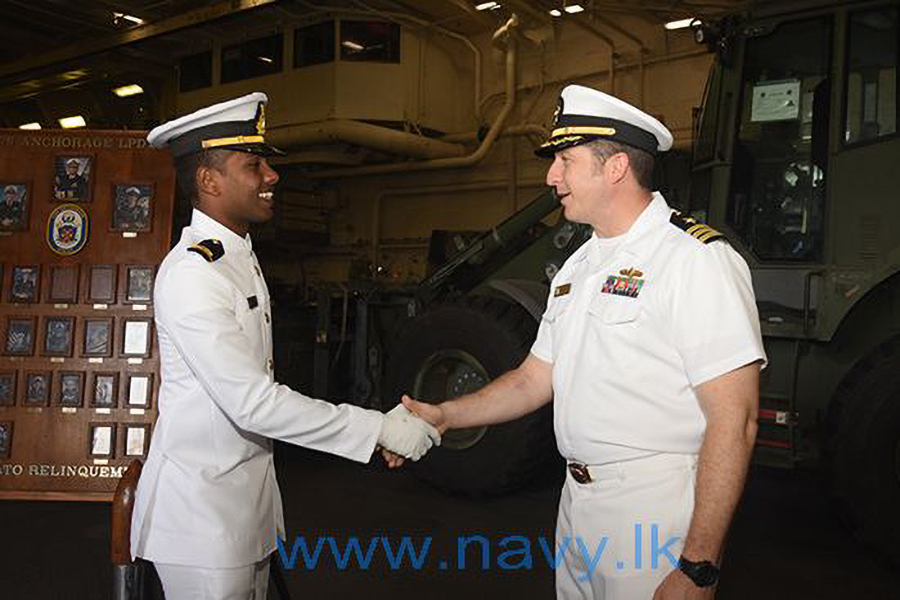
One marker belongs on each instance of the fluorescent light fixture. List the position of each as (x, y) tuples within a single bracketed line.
[(681, 24), (72, 122), (351, 45), (265, 59), (30, 126), (573, 8), (117, 16), (487, 6), (555, 13), (128, 90)]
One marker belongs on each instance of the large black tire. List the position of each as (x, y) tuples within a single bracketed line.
[(456, 349), (865, 449)]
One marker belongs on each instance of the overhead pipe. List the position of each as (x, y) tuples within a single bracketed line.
[(524, 129), (506, 30), (606, 40), (361, 134), (642, 50)]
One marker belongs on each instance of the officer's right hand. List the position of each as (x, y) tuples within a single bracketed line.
[(432, 413)]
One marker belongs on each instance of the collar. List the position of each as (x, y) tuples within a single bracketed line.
[(207, 227), (655, 213)]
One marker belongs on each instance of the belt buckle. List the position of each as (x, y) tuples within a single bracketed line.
[(580, 473)]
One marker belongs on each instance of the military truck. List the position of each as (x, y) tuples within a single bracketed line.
[(796, 160)]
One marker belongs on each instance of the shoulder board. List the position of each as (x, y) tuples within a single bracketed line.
[(701, 231), (210, 250)]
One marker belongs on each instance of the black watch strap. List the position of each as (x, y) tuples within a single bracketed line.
[(703, 573)]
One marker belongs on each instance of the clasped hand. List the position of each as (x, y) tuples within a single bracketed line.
[(406, 435)]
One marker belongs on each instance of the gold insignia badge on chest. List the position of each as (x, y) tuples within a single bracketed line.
[(627, 283), (562, 290)]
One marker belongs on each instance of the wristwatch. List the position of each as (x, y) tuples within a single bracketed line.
[(703, 573)]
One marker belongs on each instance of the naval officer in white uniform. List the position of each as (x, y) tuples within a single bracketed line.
[(208, 508), (650, 350)]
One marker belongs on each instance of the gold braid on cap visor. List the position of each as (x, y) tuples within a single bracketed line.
[(231, 141), (585, 130)]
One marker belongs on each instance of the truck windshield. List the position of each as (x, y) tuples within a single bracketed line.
[(779, 160)]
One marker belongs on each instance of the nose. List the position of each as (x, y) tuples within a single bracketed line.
[(270, 177), (554, 173)]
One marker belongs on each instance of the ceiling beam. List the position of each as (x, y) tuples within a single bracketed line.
[(132, 35)]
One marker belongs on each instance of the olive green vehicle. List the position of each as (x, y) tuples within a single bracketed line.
[(797, 161)]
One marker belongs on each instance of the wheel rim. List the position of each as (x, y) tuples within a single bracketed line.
[(448, 374)]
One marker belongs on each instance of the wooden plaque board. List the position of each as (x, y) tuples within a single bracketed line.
[(61, 436)]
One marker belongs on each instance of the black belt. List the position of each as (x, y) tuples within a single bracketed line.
[(580, 472)]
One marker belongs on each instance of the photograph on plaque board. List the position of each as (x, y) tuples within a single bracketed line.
[(72, 178), (19, 340), (63, 284), (37, 388), (101, 440), (102, 284), (98, 337), (136, 337), (59, 334), (132, 206), (139, 390), (7, 388), (137, 439), (6, 438), (71, 389), (139, 284), (104, 390), (14, 207), (24, 283)]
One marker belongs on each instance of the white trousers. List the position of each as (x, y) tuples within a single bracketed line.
[(197, 583), (622, 531)]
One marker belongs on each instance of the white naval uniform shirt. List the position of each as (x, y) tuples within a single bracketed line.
[(625, 368), (208, 496)]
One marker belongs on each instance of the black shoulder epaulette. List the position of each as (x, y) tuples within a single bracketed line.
[(701, 231), (211, 250)]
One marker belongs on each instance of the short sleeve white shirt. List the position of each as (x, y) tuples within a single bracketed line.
[(631, 333)]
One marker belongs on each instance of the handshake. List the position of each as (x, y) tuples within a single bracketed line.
[(405, 434)]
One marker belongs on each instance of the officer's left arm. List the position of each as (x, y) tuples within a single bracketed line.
[(718, 337), (730, 404)]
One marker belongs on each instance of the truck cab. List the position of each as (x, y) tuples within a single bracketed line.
[(796, 161)]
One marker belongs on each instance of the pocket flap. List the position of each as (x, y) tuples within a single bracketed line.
[(613, 309)]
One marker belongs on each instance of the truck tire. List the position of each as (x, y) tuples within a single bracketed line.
[(865, 448), (456, 349)]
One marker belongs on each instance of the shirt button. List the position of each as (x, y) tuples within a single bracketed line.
[(267, 317), (270, 364), (258, 274)]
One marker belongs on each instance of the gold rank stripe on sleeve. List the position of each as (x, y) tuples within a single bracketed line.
[(210, 250), (700, 231)]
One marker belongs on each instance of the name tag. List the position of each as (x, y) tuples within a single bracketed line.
[(562, 290)]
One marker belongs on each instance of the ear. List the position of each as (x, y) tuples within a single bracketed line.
[(208, 181), (617, 167)]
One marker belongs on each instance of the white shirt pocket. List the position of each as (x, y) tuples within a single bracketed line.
[(610, 309)]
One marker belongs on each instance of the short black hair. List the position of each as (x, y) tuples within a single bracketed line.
[(640, 161), (186, 170)]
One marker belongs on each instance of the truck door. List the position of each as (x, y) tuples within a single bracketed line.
[(777, 198)]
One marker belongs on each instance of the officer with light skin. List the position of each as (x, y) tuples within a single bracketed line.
[(208, 509), (655, 393)]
